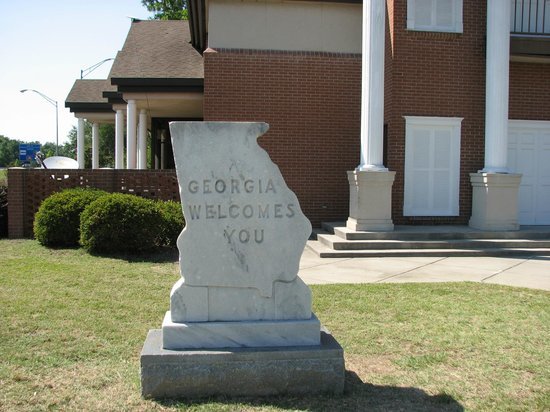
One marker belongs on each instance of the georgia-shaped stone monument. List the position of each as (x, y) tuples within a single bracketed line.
[(241, 247), (240, 320)]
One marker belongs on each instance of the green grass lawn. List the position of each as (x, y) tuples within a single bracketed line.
[(72, 327)]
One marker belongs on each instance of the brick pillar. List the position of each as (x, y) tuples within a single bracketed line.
[(16, 203)]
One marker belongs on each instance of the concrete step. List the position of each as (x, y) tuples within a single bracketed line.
[(337, 243), (444, 232), (324, 251)]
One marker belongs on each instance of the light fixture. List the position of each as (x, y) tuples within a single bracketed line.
[(54, 103), (88, 70)]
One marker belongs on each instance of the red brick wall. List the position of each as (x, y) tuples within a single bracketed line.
[(29, 187), (529, 91), (443, 75), (312, 104), (16, 203)]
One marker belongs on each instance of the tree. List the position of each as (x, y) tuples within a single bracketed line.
[(48, 150), (167, 9), (106, 145), (9, 151)]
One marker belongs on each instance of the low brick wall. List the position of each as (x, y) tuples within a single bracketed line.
[(29, 187)]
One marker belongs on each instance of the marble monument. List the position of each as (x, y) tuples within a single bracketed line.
[(239, 292)]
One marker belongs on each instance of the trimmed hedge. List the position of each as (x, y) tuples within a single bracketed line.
[(172, 223), (120, 223), (57, 221), (107, 222)]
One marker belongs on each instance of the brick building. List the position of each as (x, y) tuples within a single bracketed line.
[(450, 88), (297, 65)]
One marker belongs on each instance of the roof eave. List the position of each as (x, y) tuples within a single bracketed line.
[(89, 107), (129, 85)]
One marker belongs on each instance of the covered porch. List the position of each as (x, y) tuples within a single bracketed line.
[(156, 78)]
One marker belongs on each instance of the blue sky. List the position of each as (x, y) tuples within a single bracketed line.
[(43, 46)]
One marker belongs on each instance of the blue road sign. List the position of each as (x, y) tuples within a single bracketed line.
[(27, 151)]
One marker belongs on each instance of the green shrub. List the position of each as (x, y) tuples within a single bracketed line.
[(57, 221), (172, 223), (120, 223)]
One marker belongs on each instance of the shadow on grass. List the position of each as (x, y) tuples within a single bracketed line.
[(358, 396), (162, 255)]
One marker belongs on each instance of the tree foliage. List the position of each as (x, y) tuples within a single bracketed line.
[(48, 149), (106, 144), (9, 151), (167, 9)]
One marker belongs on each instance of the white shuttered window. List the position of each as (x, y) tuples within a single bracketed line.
[(435, 15), (432, 166)]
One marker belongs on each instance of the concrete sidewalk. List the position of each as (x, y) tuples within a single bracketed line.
[(527, 271)]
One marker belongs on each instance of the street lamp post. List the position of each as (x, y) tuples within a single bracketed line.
[(87, 71), (54, 103)]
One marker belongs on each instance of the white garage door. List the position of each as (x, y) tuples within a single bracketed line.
[(529, 154)]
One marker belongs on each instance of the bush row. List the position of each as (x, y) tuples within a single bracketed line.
[(107, 222)]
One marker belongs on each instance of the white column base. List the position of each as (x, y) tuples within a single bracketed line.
[(370, 201), (495, 201)]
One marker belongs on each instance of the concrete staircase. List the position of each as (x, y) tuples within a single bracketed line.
[(337, 241)]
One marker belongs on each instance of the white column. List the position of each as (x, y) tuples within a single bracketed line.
[(372, 91), (142, 140), (119, 139), (371, 183), (496, 88), (163, 139), (80, 144), (495, 191), (131, 131), (95, 146)]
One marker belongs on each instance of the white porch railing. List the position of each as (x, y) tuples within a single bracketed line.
[(530, 17)]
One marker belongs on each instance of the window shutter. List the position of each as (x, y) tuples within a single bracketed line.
[(432, 166), (443, 13), (423, 13), (435, 15)]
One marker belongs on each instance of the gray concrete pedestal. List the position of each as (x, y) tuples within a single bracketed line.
[(495, 201), (370, 200), (241, 371)]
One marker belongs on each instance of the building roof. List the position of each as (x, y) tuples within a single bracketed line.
[(157, 49), (87, 95), (157, 56)]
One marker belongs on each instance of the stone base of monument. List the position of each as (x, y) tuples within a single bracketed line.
[(262, 333), (262, 371)]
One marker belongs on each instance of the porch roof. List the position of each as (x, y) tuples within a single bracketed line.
[(86, 95), (158, 55)]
